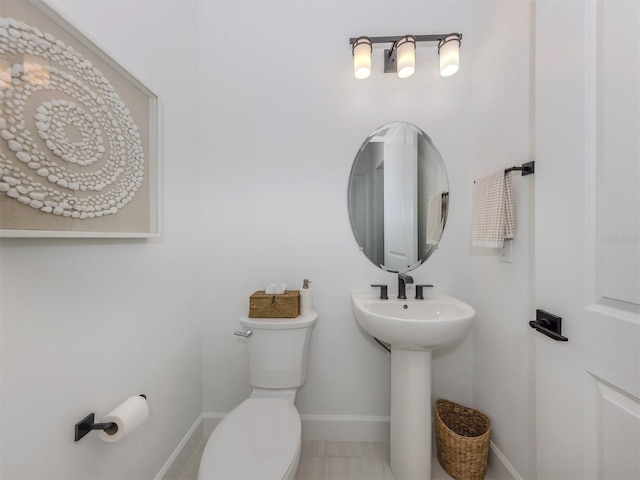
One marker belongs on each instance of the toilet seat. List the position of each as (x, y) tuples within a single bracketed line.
[(259, 439)]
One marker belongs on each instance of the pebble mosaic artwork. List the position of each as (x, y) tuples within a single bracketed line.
[(79, 154)]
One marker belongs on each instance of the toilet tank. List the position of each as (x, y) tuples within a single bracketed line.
[(278, 350)]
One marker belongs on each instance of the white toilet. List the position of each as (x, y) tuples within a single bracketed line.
[(260, 439)]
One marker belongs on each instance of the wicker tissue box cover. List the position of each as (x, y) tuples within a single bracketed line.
[(267, 305)]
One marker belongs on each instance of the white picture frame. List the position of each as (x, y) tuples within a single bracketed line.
[(79, 134)]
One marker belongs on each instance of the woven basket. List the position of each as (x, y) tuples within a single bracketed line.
[(462, 440), (267, 305)]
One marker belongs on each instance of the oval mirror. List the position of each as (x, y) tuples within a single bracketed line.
[(398, 197)]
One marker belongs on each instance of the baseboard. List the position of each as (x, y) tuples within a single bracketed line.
[(181, 455), (210, 421), (500, 466), (346, 428)]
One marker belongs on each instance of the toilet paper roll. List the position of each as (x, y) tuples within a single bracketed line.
[(127, 416)]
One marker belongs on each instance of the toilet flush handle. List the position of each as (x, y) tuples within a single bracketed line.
[(243, 334)]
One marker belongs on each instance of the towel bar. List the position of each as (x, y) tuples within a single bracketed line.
[(526, 169)]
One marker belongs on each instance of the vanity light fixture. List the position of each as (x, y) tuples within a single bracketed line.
[(400, 58)]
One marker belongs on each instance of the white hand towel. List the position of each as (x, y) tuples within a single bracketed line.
[(435, 217), (493, 213)]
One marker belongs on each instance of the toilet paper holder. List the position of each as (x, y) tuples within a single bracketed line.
[(87, 424)]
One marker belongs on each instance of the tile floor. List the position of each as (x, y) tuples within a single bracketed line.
[(324, 460)]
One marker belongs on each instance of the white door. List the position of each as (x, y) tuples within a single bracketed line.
[(400, 194), (587, 148)]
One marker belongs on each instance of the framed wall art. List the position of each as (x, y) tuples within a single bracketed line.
[(79, 152)]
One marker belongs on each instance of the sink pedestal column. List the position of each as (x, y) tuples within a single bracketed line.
[(410, 413)]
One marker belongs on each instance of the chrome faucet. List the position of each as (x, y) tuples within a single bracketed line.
[(403, 279)]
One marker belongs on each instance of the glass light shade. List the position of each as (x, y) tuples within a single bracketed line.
[(5, 73), (362, 58), (36, 70), (449, 51), (406, 56)]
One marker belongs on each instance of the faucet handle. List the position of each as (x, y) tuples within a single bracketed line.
[(419, 295), (383, 291)]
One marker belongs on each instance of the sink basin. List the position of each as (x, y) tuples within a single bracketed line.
[(413, 328), (437, 321)]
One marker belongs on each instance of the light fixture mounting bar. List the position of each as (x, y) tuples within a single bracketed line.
[(436, 37)]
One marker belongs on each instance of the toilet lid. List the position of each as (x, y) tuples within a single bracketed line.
[(258, 439)]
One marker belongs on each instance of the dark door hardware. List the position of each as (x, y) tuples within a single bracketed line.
[(548, 324)]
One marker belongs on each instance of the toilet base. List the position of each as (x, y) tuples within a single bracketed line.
[(293, 469)]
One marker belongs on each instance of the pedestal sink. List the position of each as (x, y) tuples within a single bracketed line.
[(413, 328)]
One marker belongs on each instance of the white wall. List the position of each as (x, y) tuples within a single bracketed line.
[(503, 375), (283, 119), (87, 323)]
